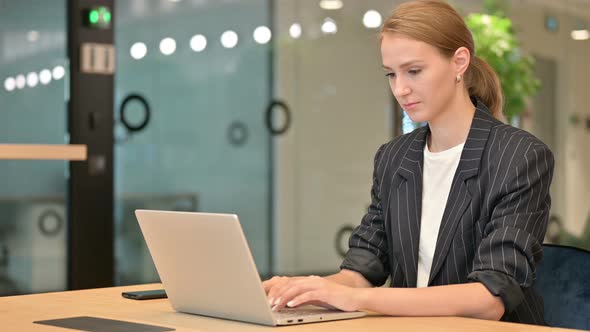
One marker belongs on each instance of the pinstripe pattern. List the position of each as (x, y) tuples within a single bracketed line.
[(493, 224)]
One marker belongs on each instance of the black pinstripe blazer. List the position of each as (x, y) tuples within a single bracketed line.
[(492, 227)]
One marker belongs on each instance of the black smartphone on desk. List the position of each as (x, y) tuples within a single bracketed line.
[(145, 295)]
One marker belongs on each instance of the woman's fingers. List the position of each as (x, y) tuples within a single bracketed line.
[(289, 294), (293, 288), (274, 288), (275, 281), (270, 283), (311, 297), (280, 290), (293, 292)]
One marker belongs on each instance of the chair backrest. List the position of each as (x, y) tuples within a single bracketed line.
[(563, 280)]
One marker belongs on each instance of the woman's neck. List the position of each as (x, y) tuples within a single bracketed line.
[(451, 127)]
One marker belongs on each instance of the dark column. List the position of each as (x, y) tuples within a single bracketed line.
[(90, 121)]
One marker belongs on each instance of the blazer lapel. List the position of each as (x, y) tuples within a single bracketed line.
[(459, 196), (405, 206)]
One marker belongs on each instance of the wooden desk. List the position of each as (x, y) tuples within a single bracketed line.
[(17, 313)]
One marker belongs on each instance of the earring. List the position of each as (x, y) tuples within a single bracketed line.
[(458, 78)]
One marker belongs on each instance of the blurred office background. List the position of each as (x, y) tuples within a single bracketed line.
[(271, 109)]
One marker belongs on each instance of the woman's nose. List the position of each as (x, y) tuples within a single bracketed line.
[(401, 90)]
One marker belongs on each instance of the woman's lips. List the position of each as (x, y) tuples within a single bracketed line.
[(410, 106)]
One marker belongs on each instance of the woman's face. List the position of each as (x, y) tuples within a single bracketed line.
[(421, 79)]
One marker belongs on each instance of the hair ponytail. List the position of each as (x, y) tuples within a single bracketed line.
[(481, 81)]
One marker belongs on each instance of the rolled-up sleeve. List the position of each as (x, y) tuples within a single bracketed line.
[(512, 241), (368, 249)]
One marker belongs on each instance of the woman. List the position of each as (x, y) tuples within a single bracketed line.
[(459, 207)]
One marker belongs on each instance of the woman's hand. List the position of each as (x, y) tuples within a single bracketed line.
[(296, 291)]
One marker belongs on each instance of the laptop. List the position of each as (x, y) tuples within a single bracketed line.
[(206, 267)]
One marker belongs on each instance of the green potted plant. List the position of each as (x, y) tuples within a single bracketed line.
[(495, 42)]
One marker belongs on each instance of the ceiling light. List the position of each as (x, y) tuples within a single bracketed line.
[(9, 84), (32, 79), (167, 46), (329, 26), (20, 81), (229, 39), (138, 50), (372, 19), (331, 4), (58, 72), (45, 76), (262, 35), (295, 30), (198, 43), (580, 34)]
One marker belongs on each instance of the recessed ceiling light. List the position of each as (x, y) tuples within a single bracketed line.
[(58, 72), (9, 84), (372, 19), (331, 4), (45, 76), (295, 30), (21, 81), (168, 46), (32, 79), (229, 39), (329, 27), (198, 43), (138, 50), (262, 35)]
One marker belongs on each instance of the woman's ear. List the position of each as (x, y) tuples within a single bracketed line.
[(461, 59)]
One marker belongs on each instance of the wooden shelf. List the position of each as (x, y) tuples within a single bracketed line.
[(42, 152)]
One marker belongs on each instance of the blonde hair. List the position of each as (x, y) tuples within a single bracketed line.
[(438, 24)]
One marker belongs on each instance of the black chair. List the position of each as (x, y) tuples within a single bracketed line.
[(563, 280)]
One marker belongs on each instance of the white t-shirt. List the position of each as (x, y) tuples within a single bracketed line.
[(439, 170)]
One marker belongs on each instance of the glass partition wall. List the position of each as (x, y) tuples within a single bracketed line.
[(33, 213), (200, 70)]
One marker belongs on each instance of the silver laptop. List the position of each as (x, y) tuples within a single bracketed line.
[(206, 267)]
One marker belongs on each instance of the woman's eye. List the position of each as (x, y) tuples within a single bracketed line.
[(390, 75), (414, 71)]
